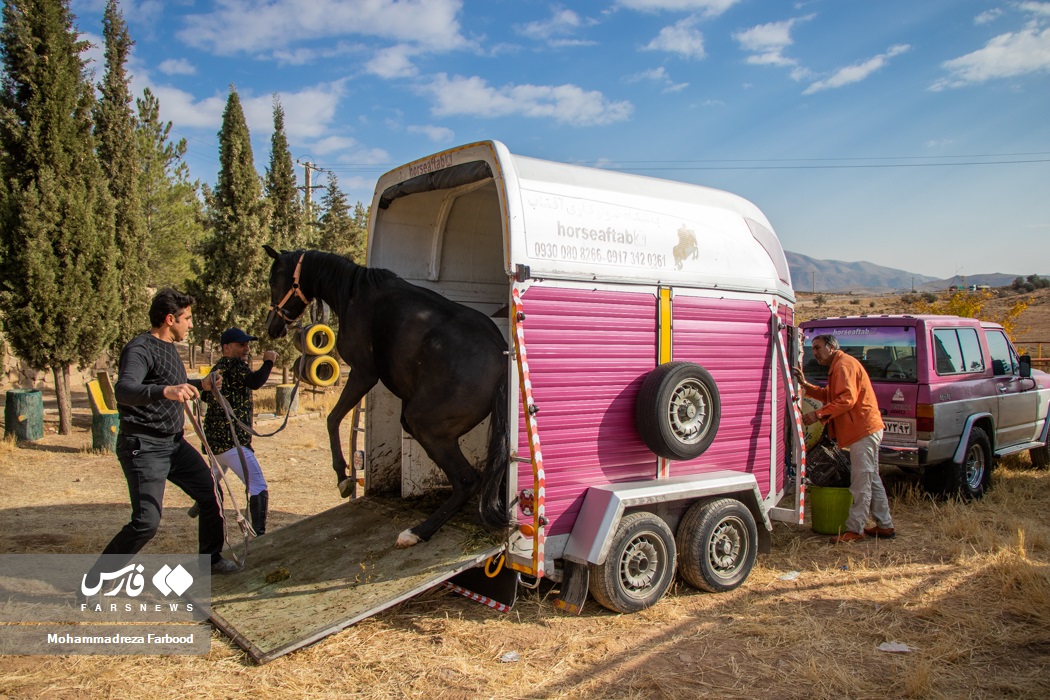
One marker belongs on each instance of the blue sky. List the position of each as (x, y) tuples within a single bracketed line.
[(909, 133)]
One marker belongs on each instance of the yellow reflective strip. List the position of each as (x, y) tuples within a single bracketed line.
[(664, 350)]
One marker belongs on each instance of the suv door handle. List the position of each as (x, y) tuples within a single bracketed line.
[(1003, 389)]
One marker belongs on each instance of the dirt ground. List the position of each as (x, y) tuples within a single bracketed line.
[(965, 586)]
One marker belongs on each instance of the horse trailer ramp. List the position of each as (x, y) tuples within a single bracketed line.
[(326, 572)]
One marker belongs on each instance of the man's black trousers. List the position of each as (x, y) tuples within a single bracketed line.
[(147, 463)]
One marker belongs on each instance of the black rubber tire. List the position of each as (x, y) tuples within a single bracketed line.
[(969, 480), (678, 410), (640, 566), (717, 545), (1040, 457)]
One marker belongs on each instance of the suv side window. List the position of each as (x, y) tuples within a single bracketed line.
[(957, 351), (1003, 359)]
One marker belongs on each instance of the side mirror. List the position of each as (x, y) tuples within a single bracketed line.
[(1025, 363)]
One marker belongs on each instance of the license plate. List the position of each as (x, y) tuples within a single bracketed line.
[(896, 427)]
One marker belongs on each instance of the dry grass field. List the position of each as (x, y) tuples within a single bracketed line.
[(965, 586)]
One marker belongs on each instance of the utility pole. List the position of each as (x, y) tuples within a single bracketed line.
[(320, 311), (308, 189), (813, 281)]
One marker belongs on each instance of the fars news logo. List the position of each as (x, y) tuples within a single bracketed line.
[(130, 581)]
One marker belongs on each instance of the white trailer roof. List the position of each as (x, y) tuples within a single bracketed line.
[(572, 222)]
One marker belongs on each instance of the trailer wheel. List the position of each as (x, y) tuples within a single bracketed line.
[(717, 545), (640, 565), (678, 410)]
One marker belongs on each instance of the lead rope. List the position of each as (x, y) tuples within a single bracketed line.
[(217, 475)]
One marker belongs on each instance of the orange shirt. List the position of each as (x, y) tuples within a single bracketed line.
[(850, 409)]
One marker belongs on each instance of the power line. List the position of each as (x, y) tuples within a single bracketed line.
[(768, 163)]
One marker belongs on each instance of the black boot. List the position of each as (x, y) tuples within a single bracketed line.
[(257, 507)]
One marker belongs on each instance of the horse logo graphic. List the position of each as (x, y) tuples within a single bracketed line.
[(686, 247)]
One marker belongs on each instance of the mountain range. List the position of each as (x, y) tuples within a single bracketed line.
[(813, 275)]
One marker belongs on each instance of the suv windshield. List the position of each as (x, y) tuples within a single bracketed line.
[(886, 352)]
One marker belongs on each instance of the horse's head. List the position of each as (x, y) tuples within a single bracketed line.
[(287, 301)]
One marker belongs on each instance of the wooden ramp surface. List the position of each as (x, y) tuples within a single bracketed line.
[(338, 567)]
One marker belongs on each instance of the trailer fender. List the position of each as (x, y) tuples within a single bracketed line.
[(603, 506)]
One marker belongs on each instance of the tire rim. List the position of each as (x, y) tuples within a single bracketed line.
[(727, 548), (689, 410), (640, 564), (974, 467)]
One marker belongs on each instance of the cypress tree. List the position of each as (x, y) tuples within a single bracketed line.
[(172, 214), (286, 221), (232, 283), (118, 155), (286, 211), (58, 300)]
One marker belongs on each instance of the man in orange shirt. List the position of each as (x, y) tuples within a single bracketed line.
[(851, 413)]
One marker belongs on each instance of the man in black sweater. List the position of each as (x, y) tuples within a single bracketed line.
[(151, 389)]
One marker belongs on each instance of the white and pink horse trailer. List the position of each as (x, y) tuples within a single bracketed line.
[(647, 322)]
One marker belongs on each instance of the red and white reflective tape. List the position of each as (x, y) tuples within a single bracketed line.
[(539, 487), (484, 600), (796, 414)]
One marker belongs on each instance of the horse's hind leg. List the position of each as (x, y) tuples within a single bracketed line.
[(464, 479)]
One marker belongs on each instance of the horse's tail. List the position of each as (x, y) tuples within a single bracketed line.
[(492, 504)]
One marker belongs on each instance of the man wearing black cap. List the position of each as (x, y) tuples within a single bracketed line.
[(238, 382)]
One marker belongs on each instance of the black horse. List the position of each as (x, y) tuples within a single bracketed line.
[(445, 361)]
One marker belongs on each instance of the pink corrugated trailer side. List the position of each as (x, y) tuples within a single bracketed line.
[(649, 328)]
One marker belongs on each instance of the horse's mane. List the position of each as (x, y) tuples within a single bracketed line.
[(340, 274)]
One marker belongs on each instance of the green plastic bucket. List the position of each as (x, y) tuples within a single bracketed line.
[(829, 507)]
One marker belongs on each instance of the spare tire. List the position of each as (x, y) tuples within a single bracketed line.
[(678, 410)]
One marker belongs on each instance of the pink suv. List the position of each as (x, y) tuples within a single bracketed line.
[(954, 394)]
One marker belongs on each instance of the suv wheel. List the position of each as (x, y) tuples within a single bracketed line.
[(969, 480)]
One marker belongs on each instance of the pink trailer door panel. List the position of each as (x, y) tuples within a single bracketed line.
[(588, 353)]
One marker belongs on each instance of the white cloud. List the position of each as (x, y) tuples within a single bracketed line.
[(1036, 8), (182, 108), (988, 16), (680, 38), (266, 25), (767, 42), (437, 134), (308, 113), (568, 104), (393, 62), (1005, 56), (562, 23), (660, 76), (331, 144), (857, 72), (177, 66), (708, 8), (302, 56)]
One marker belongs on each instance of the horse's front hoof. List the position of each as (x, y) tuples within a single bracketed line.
[(346, 487), (407, 539)]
